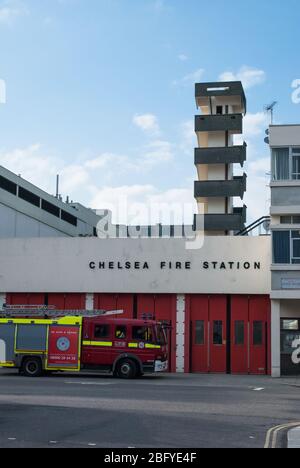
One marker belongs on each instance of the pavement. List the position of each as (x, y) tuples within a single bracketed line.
[(167, 411)]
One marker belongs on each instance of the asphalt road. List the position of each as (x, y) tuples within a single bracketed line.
[(170, 411)]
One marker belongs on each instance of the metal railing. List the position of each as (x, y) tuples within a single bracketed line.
[(262, 224)]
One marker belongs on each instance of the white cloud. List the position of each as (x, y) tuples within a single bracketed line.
[(249, 76), (188, 137), (254, 126), (147, 122), (190, 79), (10, 10), (259, 166), (183, 57), (157, 152), (145, 204), (73, 178), (33, 165)]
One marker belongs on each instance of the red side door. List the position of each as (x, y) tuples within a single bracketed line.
[(239, 335), (218, 334), (258, 318), (97, 344), (199, 340)]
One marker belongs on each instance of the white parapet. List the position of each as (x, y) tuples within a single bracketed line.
[(275, 340), (89, 301), (180, 333), (2, 300)]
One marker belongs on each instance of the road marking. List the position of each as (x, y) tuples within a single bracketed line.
[(260, 389), (272, 434), (12, 439), (89, 383), (92, 445)]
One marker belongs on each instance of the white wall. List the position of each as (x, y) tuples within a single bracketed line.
[(62, 265), (16, 224), (285, 135)]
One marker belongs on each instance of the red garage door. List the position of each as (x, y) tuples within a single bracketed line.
[(25, 299), (161, 307), (250, 335), (208, 343), (67, 301), (115, 302)]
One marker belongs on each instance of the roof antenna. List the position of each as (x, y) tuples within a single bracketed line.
[(270, 110), (57, 186)]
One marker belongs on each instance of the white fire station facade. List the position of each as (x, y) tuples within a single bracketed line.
[(214, 290)]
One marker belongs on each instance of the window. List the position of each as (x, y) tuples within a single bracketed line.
[(286, 163), (50, 208), (296, 163), (258, 335), (218, 332), (102, 331), (29, 197), (239, 328), (281, 247), (8, 186), (161, 336), (68, 218), (295, 247), (142, 334), (286, 247), (290, 220), (199, 335), (121, 332), (219, 110)]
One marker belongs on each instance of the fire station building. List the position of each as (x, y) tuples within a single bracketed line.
[(214, 290)]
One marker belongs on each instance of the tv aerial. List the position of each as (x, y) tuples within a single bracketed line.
[(270, 110)]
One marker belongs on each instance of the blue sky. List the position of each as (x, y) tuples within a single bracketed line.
[(102, 91)]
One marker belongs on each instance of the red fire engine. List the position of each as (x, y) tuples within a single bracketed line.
[(36, 340)]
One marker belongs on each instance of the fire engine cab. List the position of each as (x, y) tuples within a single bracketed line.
[(38, 340)]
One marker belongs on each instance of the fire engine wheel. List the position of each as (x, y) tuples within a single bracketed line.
[(127, 369), (32, 367)]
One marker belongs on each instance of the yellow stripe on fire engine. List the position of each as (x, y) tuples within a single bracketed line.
[(7, 364), (147, 346), (98, 343)]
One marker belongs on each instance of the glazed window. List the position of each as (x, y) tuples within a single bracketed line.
[(29, 197), (296, 163), (121, 332), (281, 164), (199, 335), (282, 247), (258, 333), (142, 334), (218, 332), (102, 331), (239, 328), (8, 186)]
